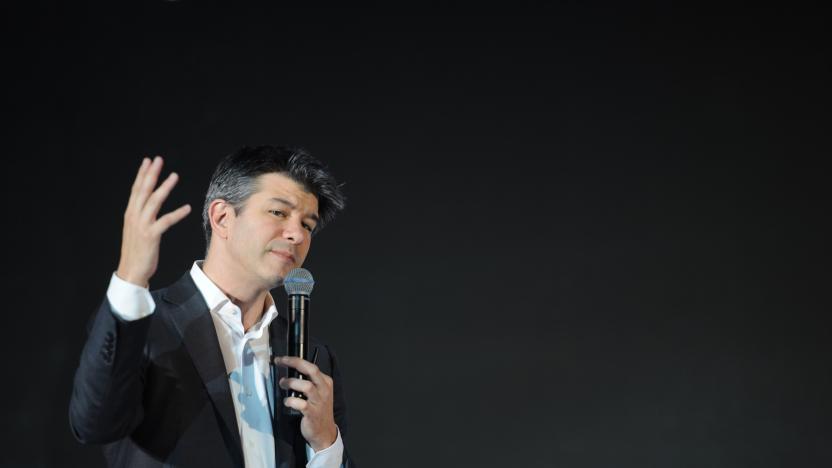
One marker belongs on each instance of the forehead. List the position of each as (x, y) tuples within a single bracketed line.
[(278, 185)]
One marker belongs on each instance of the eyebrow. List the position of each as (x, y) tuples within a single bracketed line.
[(291, 205)]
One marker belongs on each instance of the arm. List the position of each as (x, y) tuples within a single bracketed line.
[(106, 396), (324, 422), (340, 407), (107, 390)]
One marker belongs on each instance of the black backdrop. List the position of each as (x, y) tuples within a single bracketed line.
[(579, 236)]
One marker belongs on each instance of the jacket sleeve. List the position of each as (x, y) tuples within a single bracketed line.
[(106, 401), (340, 407)]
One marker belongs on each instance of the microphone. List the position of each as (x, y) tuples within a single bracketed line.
[(298, 284)]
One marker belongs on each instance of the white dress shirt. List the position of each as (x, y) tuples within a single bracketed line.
[(247, 358)]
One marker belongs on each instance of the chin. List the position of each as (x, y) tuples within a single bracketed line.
[(275, 280), (275, 273)]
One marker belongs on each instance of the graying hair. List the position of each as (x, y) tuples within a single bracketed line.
[(234, 190)]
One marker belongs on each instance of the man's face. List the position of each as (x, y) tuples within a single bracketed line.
[(272, 233)]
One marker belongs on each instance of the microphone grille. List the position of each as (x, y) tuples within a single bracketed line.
[(299, 281)]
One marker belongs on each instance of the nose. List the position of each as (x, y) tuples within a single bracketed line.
[(294, 232)]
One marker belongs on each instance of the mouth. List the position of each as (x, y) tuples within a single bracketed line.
[(283, 254)]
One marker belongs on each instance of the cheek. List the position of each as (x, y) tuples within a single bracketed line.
[(249, 243)]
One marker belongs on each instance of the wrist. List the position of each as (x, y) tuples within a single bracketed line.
[(137, 280), (325, 441)]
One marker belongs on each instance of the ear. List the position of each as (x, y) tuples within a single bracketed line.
[(221, 215)]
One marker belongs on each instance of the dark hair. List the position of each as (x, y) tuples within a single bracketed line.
[(234, 180)]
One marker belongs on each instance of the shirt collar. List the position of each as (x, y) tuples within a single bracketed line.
[(217, 300)]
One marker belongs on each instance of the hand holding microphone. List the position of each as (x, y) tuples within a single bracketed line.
[(310, 390)]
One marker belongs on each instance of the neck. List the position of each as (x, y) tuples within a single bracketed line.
[(247, 295)]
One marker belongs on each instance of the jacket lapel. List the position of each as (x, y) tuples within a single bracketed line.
[(195, 326)]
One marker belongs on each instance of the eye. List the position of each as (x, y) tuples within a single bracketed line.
[(308, 227), (278, 213)]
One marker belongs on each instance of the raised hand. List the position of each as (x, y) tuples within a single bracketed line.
[(142, 231)]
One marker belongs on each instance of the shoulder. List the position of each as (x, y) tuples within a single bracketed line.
[(179, 292)]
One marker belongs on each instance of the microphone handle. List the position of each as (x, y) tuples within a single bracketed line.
[(297, 339)]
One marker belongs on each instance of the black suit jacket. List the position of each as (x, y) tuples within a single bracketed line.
[(156, 392)]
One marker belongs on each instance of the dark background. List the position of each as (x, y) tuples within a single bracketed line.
[(578, 236)]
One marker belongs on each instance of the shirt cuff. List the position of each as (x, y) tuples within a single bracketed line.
[(329, 457), (128, 301)]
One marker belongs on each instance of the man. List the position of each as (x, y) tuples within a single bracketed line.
[(184, 376)]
